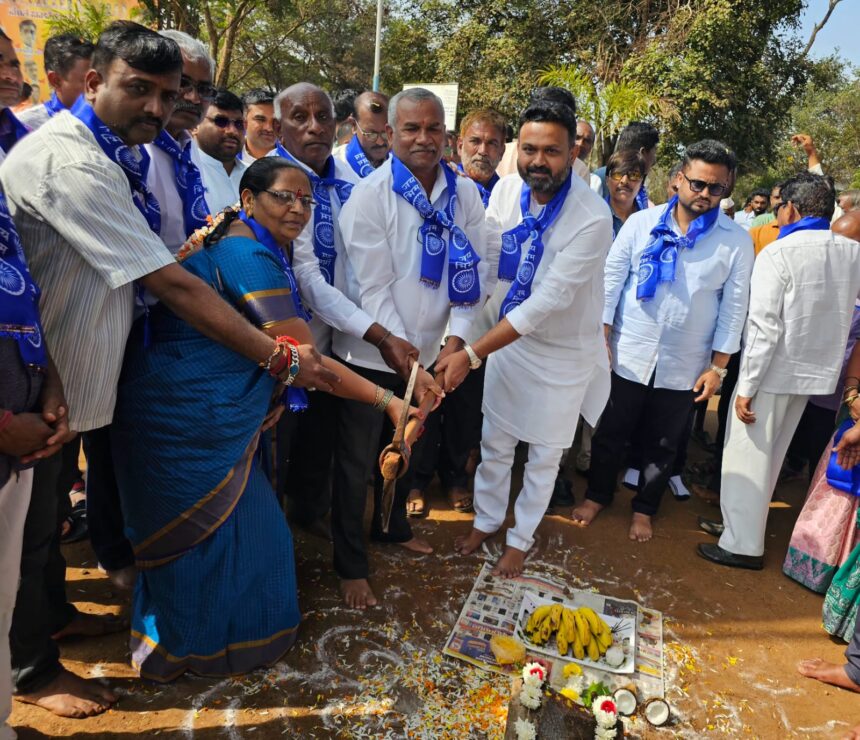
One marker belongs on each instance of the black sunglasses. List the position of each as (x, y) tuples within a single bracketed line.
[(717, 189), (225, 122)]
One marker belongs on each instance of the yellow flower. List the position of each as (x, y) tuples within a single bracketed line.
[(572, 669), (570, 694)]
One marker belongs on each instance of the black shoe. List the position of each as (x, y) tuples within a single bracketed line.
[(716, 554), (711, 527), (562, 493)]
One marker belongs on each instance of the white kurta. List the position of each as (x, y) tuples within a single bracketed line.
[(537, 386)]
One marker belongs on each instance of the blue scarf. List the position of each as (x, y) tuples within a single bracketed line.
[(357, 159), (324, 249), (16, 130), (19, 295), (484, 191), (464, 288), (642, 197), (296, 399), (657, 263), (531, 227), (188, 182), (54, 105), (119, 152), (807, 223)]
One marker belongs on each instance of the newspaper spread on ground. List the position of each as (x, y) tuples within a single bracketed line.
[(492, 609)]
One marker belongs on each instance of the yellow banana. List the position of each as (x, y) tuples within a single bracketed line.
[(591, 618), (582, 628), (555, 615), (536, 616), (545, 629), (569, 625), (604, 641), (593, 650), (578, 650), (561, 642)]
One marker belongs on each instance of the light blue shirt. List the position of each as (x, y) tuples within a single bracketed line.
[(745, 219), (700, 312)]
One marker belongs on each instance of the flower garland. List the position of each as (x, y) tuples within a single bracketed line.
[(534, 676), (194, 243)]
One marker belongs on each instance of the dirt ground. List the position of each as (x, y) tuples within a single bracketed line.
[(732, 640)]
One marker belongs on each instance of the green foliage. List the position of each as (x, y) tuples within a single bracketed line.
[(85, 19)]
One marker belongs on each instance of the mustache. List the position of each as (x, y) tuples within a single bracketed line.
[(186, 107), (148, 120), (539, 171)]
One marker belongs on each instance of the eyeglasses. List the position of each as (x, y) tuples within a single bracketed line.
[(225, 122), (381, 136), (633, 176), (288, 198), (205, 90), (717, 189)]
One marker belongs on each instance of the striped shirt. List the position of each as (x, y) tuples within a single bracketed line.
[(85, 242), (34, 117)]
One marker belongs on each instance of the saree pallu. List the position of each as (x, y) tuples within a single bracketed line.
[(825, 533), (216, 593), (839, 613)]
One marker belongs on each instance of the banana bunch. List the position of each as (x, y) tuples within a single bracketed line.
[(580, 630)]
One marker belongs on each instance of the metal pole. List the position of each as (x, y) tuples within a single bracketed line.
[(377, 51)]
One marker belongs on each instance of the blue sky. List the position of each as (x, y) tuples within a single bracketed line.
[(840, 31)]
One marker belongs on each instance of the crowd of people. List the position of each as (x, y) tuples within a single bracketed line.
[(222, 298)]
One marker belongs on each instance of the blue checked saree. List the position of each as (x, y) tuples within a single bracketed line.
[(216, 593)]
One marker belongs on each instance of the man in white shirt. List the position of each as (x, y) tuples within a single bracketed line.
[(305, 122), (677, 285), (803, 291), (368, 148), (261, 124), (755, 206), (547, 359), (218, 145), (85, 219), (67, 60), (416, 275)]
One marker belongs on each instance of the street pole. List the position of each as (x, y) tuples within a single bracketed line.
[(377, 51)]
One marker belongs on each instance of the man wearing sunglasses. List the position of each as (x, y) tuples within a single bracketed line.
[(368, 148), (219, 139), (677, 287)]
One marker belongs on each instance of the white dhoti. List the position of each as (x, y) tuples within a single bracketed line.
[(535, 399), (752, 459), (14, 501)]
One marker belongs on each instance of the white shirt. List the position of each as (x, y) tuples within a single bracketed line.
[(249, 158), (804, 287), (380, 232), (537, 385), (222, 190), (161, 180), (34, 117), (328, 303), (701, 311), (85, 242), (745, 219)]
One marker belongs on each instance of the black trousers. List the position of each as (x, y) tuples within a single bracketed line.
[(362, 432), (305, 446), (41, 608), (104, 513), (660, 417), (636, 456), (450, 434)]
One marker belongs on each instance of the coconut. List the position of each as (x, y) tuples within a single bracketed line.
[(625, 701), (657, 712), (614, 656)]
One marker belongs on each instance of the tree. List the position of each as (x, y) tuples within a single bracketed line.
[(84, 19)]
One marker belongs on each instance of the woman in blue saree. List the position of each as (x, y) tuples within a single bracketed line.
[(216, 591)]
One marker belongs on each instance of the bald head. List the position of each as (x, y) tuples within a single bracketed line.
[(306, 124), (848, 225), (370, 126)]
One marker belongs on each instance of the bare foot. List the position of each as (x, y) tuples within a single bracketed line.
[(471, 542), (640, 528), (831, 673), (69, 695), (415, 504), (853, 734), (357, 593), (417, 545), (92, 625), (510, 565), (586, 512)]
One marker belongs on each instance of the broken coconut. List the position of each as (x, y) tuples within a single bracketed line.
[(657, 712), (625, 701)]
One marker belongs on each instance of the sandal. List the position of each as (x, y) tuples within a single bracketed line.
[(462, 505), (77, 522), (415, 505)]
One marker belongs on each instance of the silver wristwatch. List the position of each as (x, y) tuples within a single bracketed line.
[(474, 361), (721, 371)]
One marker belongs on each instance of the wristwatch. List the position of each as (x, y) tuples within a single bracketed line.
[(721, 371), (474, 361)]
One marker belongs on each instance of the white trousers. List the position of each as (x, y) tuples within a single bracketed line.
[(752, 459), (493, 485), (14, 500)]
